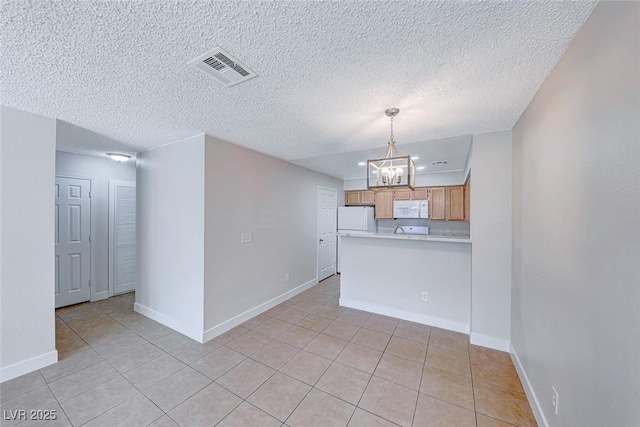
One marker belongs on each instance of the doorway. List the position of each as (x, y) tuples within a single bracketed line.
[(327, 227), (72, 241)]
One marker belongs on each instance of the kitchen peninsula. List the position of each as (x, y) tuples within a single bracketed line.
[(392, 275)]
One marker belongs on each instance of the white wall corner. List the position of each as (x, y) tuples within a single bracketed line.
[(169, 321), (528, 389), (492, 248), (26, 366), (490, 342), (467, 166), (223, 327)]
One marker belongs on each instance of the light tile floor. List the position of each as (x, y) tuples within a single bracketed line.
[(307, 362)]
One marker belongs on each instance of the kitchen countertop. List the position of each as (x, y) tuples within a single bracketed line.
[(463, 238)]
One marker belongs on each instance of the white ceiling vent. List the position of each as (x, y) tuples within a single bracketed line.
[(439, 162), (224, 67)]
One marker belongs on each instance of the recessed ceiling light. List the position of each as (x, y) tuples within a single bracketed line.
[(362, 163), (119, 157), (414, 157), (420, 168)]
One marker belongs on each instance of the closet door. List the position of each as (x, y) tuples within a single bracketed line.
[(122, 236)]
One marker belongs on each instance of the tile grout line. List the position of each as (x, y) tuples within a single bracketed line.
[(473, 388), (424, 363), (302, 400), (187, 365), (214, 381), (140, 391), (372, 375), (56, 398), (122, 374), (75, 332)]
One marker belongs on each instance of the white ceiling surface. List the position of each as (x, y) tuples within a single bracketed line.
[(74, 139), (345, 165), (327, 70)]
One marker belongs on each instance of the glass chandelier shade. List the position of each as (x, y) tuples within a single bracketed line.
[(393, 171)]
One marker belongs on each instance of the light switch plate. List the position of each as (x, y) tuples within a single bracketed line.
[(246, 238)]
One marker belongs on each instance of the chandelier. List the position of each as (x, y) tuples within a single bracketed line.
[(393, 171)]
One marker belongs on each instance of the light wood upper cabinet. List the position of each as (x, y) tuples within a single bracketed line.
[(437, 196), (455, 203), (467, 199), (402, 194), (445, 203), (351, 198), (359, 197), (367, 197), (384, 205), (420, 193)]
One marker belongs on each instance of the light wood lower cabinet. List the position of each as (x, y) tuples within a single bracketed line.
[(384, 205)]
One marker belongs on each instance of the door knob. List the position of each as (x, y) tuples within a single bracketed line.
[(321, 240)]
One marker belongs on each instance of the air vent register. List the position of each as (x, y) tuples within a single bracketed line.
[(223, 66)]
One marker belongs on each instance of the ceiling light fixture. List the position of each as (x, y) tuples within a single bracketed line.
[(415, 157), (119, 157), (362, 163), (392, 167), (420, 168)]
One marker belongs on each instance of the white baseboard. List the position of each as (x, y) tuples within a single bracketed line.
[(491, 342), (168, 321), (528, 389), (97, 296), (13, 371), (438, 322), (243, 317)]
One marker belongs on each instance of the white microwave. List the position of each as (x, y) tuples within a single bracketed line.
[(411, 209)]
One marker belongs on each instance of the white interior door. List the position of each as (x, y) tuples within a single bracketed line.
[(122, 236), (72, 241), (327, 227)]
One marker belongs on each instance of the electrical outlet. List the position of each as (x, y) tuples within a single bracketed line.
[(554, 399), (246, 238), (286, 277), (425, 296)]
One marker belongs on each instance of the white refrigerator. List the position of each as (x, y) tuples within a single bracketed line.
[(356, 219)]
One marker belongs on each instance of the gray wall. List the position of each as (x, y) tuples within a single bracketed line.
[(101, 171), (195, 199), (27, 160), (576, 228), (250, 192)]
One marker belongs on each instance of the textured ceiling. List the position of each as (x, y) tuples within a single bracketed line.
[(327, 70)]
